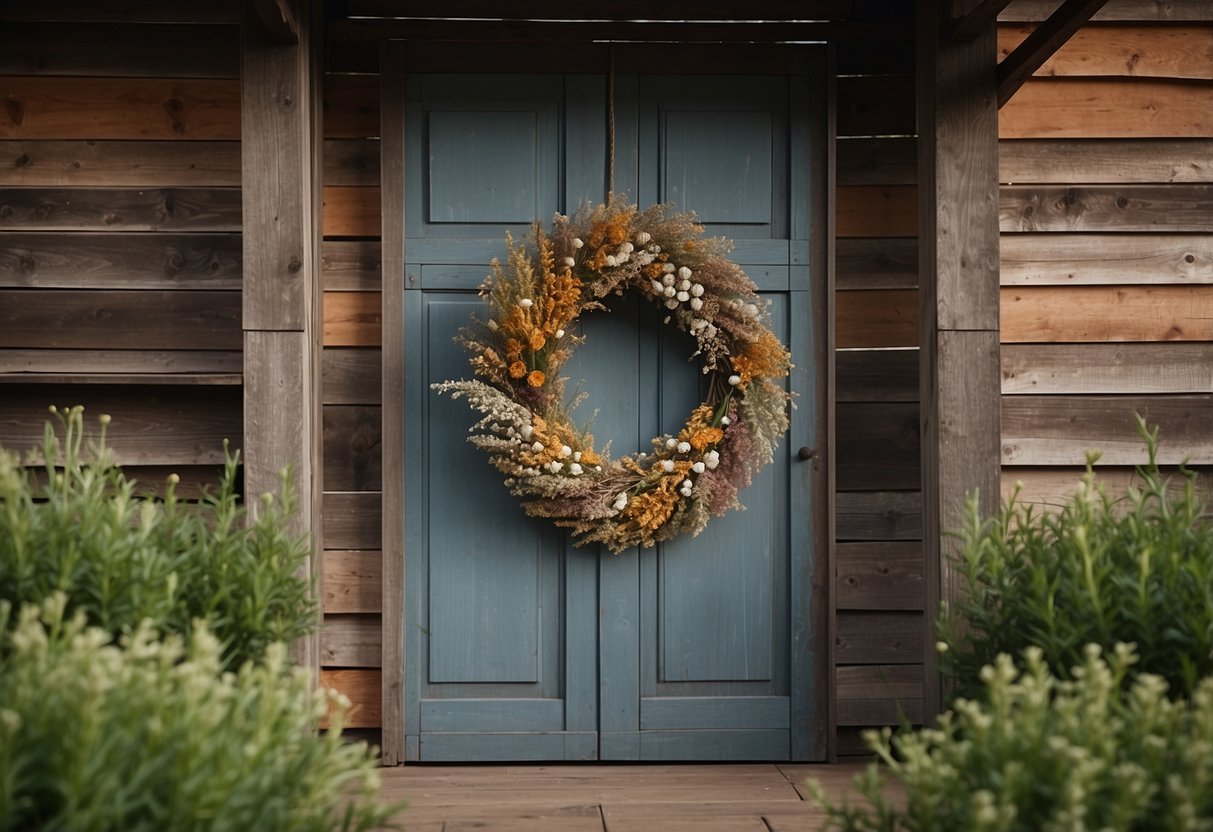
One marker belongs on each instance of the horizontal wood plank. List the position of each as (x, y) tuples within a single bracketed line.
[(351, 640), (877, 161), (157, 379), (352, 319), (361, 687), (352, 460), (70, 319), (1049, 259), (879, 694), (353, 162), (879, 638), (1099, 161), (120, 209), (883, 375), (128, 11), (876, 211), (118, 108), (351, 212), (1131, 11), (108, 362), (352, 520), (121, 163), (154, 50), (879, 318), (353, 581), (878, 515), (1072, 314), (351, 106), (877, 447), (1151, 51), (1101, 108), (1172, 208), (351, 265), (1052, 488), (351, 376), (867, 263), (161, 426), (879, 576), (1060, 430), (45, 260), (1052, 369), (875, 105)]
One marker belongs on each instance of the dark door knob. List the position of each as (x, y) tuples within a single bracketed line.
[(807, 453)]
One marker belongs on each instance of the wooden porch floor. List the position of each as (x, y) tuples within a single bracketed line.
[(613, 798)]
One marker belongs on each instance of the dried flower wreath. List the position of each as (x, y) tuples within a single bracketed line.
[(534, 301)]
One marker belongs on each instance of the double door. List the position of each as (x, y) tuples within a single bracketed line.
[(518, 645)]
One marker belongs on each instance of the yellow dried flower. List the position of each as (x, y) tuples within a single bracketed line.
[(535, 378), (517, 370), (537, 341)]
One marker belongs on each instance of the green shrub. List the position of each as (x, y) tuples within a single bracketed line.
[(151, 735), (1042, 753), (1137, 569), (122, 559)]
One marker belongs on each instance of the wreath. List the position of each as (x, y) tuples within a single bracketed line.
[(534, 301)]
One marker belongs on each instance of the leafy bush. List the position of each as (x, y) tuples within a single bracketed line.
[(1042, 753), (1137, 569), (121, 559), (151, 735)]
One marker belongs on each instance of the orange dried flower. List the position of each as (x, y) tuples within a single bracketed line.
[(535, 378), (537, 341), (703, 439), (517, 370), (513, 349)]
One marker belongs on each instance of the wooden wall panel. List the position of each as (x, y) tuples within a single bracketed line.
[(351, 212), (351, 106), (352, 265), (877, 447), (879, 637), (1117, 11), (147, 49), (352, 319), (352, 582), (876, 211), (876, 105), (118, 108), (1170, 207), (349, 640), (352, 520), (1106, 313), (1034, 369), (1102, 259), (125, 163), (878, 515), (886, 318), (886, 375), (1175, 51), (134, 365), (352, 162), (1093, 161), (879, 576), (351, 448), (880, 695), (139, 11), (1108, 108), (351, 376), (362, 689), (120, 209)]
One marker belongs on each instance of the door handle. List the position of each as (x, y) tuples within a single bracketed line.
[(806, 454)]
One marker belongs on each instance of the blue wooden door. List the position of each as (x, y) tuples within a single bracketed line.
[(518, 646)]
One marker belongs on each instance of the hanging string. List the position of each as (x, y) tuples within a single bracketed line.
[(611, 122)]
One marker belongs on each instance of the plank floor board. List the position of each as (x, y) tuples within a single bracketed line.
[(614, 797)]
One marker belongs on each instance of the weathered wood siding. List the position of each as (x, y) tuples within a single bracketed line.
[(120, 228), (1106, 160)]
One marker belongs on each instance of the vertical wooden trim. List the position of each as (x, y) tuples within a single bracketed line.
[(827, 232), (391, 178), (313, 47), (958, 273), (281, 276)]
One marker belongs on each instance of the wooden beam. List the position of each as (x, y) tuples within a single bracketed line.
[(615, 10), (1039, 46), (978, 19), (959, 377), (278, 19), (375, 30)]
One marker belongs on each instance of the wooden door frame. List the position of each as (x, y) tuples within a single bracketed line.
[(395, 60)]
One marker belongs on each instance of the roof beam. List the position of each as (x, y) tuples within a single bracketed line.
[(278, 19), (1039, 46), (970, 25), (537, 31)]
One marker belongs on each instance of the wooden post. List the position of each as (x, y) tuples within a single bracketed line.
[(958, 277), (282, 304)]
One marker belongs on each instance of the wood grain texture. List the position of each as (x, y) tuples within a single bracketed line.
[(128, 11), (877, 446), (867, 263), (151, 50), (1060, 430), (878, 515), (168, 426), (361, 687), (879, 637), (1028, 11), (351, 212), (1172, 208), (876, 211), (120, 261), (352, 265), (885, 375), (1053, 369), (352, 319), (352, 520), (277, 427), (1052, 488), (350, 640), (119, 209), (352, 460), (882, 318), (1102, 108), (351, 376), (120, 163), (880, 694), (1106, 313), (114, 362), (875, 105), (67, 319), (353, 162), (878, 161), (118, 108), (351, 106), (879, 576), (1177, 51), (353, 582), (1048, 259), (1099, 161)]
